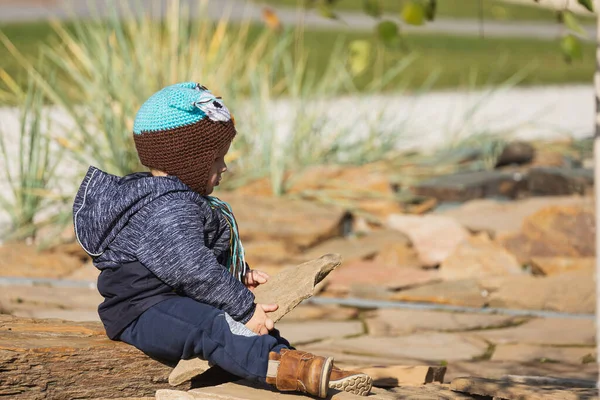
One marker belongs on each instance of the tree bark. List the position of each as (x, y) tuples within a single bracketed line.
[(54, 359)]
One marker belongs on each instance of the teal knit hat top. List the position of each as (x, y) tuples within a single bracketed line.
[(180, 130)]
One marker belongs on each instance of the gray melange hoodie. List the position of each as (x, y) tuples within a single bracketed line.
[(153, 238)]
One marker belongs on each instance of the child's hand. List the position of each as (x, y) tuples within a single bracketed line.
[(253, 278), (260, 323)]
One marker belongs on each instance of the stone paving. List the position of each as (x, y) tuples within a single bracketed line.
[(483, 345)]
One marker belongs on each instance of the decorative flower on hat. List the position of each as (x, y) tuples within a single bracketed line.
[(211, 105)]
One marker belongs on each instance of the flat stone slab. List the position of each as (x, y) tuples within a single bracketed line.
[(42, 301), (507, 389), (299, 224), (528, 353), (358, 248), (434, 237), (558, 181), (473, 185), (498, 369), (374, 274), (479, 257), (573, 292), (465, 292), (393, 322), (399, 375), (307, 312), (424, 347), (244, 390), (496, 217), (545, 331), (298, 333)]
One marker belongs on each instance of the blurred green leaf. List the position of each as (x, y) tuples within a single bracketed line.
[(326, 11), (571, 47), (372, 8), (360, 51), (388, 31), (413, 13), (430, 9), (572, 24), (587, 4)]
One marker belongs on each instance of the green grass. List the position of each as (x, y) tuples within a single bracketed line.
[(461, 61), (492, 9)]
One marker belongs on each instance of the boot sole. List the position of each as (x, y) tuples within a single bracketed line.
[(359, 384), (327, 367)]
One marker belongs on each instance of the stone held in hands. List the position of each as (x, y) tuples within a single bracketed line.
[(287, 289)]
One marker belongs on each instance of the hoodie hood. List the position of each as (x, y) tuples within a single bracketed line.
[(105, 203)]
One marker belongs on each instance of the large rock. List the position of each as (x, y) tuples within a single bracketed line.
[(371, 273), (70, 303), (360, 180), (466, 292), (434, 237), (554, 181), (395, 322), (364, 188), (299, 224), (308, 312), (573, 292), (503, 217), (554, 231), (531, 353), (545, 331), (245, 390), (398, 255), (560, 265), (516, 153), (52, 359), (287, 289), (262, 253), (299, 333), (426, 347), (356, 248), (479, 257), (400, 375), (496, 369), (22, 260), (473, 185), (507, 389)]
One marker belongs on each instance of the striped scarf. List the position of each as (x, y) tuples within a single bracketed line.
[(236, 263)]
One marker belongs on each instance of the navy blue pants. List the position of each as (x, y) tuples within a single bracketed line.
[(182, 328)]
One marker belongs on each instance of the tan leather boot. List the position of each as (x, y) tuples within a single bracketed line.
[(350, 381), (293, 370)]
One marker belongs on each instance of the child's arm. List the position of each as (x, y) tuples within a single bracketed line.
[(172, 247)]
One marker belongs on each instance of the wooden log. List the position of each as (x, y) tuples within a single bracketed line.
[(62, 360)]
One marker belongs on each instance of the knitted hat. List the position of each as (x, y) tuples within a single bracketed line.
[(180, 130)]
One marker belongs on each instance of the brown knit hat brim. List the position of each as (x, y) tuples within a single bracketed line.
[(187, 152)]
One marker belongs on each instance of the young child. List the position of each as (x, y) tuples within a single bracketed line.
[(173, 275)]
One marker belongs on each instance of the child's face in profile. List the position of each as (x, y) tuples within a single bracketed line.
[(218, 167)]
